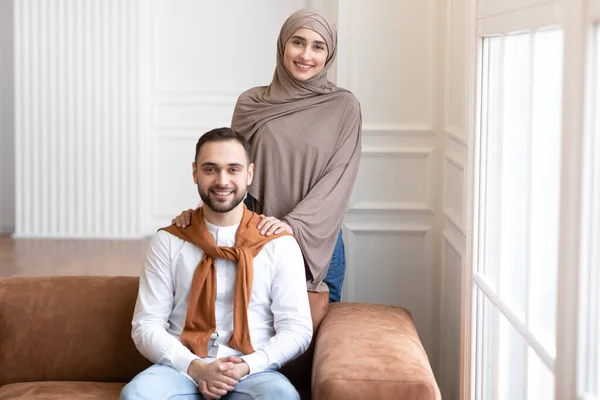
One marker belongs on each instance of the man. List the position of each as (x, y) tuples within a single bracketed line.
[(220, 306)]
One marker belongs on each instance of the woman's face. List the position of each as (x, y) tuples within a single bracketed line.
[(305, 54)]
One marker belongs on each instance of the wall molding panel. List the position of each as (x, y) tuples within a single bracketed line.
[(455, 74), (456, 137), (172, 172), (411, 261), (408, 96), (193, 116), (459, 46), (398, 206), (352, 229), (449, 377), (378, 174), (454, 189), (398, 130)]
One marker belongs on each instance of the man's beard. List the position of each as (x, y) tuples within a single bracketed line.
[(221, 206)]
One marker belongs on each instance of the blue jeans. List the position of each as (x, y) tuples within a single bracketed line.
[(337, 265), (336, 271), (160, 382)]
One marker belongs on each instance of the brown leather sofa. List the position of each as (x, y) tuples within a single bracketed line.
[(69, 338)]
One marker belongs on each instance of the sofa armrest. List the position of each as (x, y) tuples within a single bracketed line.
[(370, 351)]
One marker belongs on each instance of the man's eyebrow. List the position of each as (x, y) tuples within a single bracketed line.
[(213, 164)]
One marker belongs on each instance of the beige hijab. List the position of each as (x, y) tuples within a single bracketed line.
[(305, 138)]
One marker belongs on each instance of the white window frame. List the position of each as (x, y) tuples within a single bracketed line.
[(575, 18), (588, 381)]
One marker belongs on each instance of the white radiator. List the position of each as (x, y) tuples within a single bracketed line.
[(77, 135)]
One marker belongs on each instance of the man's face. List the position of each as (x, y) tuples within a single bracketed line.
[(222, 174)]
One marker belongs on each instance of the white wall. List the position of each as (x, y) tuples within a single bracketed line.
[(7, 189), (196, 58), (389, 58), (458, 41)]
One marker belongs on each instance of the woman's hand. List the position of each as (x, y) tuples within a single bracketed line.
[(271, 225), (183, 219)]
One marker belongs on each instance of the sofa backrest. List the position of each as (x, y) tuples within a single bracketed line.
[(75, 328), (78, 328)]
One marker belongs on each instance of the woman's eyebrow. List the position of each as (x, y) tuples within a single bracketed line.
[(320, 42)]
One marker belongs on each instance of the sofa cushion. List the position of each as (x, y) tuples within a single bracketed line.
[(61, 390), (393, 366), (69, 328)]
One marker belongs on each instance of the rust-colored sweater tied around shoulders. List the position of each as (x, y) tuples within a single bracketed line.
[(200, 321)]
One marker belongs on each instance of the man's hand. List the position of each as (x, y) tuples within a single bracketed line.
[(219, 377), (242, 369), (207, 393), (215, 379), (239, 370)]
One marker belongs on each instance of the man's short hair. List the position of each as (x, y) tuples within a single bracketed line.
[(222, 135)]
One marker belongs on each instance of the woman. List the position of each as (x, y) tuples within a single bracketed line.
[(305, 134)]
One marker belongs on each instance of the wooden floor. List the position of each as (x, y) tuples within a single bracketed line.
[(51, 257)]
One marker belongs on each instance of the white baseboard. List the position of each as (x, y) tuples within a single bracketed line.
[(7, 229)]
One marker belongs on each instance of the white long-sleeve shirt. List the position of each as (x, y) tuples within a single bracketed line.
[(278, 315)]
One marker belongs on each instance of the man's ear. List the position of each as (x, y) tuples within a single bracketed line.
[(195, 172), (250, 174)]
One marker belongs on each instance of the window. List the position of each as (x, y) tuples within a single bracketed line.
[(517, 209), (589, 352)]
